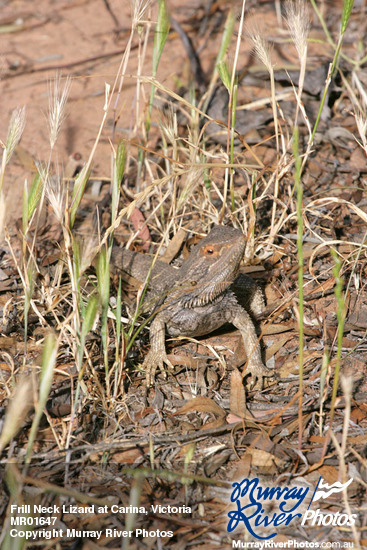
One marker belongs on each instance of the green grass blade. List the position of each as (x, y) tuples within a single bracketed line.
[(78, 192), (226, 37), (25, 202), (34, 194), (89, 318), (340, 315), (117, 176), (161, 33), (49, 355), (160, 37), (347, 10), (103, 280), (224, 74)]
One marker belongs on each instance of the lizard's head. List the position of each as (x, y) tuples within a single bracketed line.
[(212, 266)]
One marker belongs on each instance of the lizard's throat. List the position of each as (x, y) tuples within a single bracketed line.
[(203, 296)]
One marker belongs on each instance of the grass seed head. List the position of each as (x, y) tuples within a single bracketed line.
[(298, 21), (15, 131), (56, 107), (262, 50)]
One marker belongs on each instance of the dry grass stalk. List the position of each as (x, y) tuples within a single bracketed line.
[(298, 20), (262, 50)]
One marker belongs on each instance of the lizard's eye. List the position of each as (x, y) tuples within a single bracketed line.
[(209, 251)]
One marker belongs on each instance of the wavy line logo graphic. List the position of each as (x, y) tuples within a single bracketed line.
[(323, 490)]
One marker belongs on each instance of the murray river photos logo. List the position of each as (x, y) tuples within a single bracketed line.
[(256, 507)]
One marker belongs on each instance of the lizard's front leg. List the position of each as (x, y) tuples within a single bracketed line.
[(256, 367), (157, 356), (248, 294)]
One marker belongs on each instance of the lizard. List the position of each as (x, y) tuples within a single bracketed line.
[(199, 297)]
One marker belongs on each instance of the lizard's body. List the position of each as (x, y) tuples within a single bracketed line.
[(199, 297)]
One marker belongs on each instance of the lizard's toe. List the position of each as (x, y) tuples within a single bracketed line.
[(155, 360)]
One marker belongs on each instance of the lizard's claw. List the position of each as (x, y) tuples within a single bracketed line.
[(258, 372), (153, 361)]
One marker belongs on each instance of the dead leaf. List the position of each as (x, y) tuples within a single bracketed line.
[(187, 361), (358, 161), (291, 364), (339, 137), (174, 246), (233, 418), (264, 460), (358, 318), (9, 284), (217, 423), (140, 225), (237, 399), (3, 276), (278, 344), (242, 467), (10, 343), (322, 287), (292, 426), (201, 404), (186, 427), (358, 414), (357, 440), (277, 329), (128, 457)]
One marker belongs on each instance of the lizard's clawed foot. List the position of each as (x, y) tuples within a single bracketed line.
[(258, 372), (155, 360)]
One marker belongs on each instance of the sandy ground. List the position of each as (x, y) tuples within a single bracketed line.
[(86, 41)]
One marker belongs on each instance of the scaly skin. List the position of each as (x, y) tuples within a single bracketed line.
[(199, 297)]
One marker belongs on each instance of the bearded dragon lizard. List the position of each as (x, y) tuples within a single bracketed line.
[(199, 297)]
